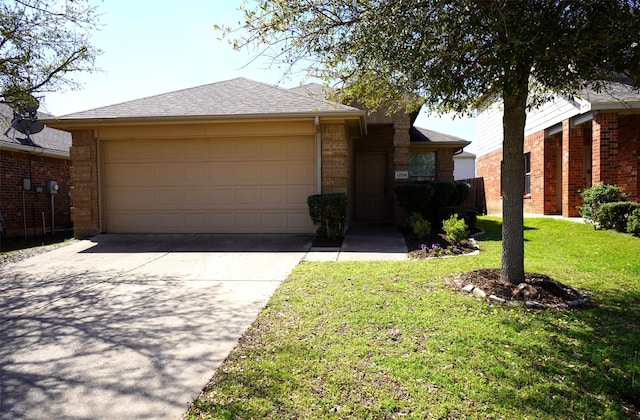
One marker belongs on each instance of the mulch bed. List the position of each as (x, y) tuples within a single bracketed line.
[(538, 288), (435, 245)]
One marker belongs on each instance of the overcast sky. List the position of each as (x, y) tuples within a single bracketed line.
[(152, 47)]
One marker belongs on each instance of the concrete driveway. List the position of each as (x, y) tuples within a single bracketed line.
[(130, 326)]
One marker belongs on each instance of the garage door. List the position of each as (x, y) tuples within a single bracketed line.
[(230, 185)]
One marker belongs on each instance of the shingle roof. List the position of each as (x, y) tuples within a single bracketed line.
[(620, 95), (49, 138), (313, 90), (422, 135), (233, 97)]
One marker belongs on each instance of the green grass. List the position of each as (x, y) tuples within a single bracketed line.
[(389, 340)]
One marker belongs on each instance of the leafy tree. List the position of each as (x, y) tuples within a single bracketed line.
[(455, 55), (41, 43)]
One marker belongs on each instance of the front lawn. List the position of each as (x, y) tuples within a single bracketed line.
[(384, 340)]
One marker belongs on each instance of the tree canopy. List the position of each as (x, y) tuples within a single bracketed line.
[(41, 43), (455, 55)]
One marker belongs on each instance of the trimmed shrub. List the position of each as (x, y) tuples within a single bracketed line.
[(633, 224), (414, 197), (420, 227), (329, 213), (616, 215), (428, 197), (593, 199), (455, 229)]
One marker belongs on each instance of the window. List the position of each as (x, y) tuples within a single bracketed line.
[(422, 166), (527, 174)]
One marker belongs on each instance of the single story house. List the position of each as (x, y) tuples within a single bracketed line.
[(28, 206), (239, 156), (570, 145)]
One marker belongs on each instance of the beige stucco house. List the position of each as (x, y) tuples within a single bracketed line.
[(237, 156)]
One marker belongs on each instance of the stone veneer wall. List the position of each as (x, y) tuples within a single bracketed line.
[(84, 180)]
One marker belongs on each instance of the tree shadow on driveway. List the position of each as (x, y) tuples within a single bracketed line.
[(116, 344)]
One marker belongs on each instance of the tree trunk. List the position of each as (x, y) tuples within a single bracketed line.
[(513, 123)]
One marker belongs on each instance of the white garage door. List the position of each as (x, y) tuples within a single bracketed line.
[(231, 185)]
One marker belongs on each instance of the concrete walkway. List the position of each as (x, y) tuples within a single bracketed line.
[(365, 241)]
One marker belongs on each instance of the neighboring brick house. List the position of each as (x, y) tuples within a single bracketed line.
[(570, 145), (240, 156), (26, 169)]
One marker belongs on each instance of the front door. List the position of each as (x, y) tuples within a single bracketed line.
[(371, 185)]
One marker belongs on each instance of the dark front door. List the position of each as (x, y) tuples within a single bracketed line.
[(371, 185)]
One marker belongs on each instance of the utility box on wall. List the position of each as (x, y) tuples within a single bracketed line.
[(53, 187)]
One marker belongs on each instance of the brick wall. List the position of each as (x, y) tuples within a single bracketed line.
[(84, 178), (488, 167), (629, 157), (16, 166), (534, 145), (573, 144), (605, 148), (552, 174)]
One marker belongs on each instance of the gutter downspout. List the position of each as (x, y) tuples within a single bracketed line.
[(318, 156)]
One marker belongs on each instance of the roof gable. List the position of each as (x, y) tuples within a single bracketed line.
[(235, 97), (423, 136)]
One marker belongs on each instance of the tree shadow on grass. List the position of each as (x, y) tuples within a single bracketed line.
[(492, 230), (589, 357)]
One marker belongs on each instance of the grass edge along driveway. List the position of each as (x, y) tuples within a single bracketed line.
[(386, 340)]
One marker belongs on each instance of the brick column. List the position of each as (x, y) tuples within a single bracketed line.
[(401, 157), (444, 161), (85, 211), (605, 148), (572, 168), (401, 142), (335, 159)]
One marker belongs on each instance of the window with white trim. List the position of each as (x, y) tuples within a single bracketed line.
[(527, 174)]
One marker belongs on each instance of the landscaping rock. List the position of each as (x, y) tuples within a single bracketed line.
[(532, 304), (468, 288), (479, 293), (496, 299)]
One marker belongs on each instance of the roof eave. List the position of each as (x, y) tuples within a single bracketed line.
[(59, 154), (610, 106), (441, 143), (70, 123)]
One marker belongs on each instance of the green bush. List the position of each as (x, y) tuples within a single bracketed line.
[(593, 199), (428, 197), (329, 213), (470, 216), (455, 229), (633, 224), (616, 215), (420, 227)]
